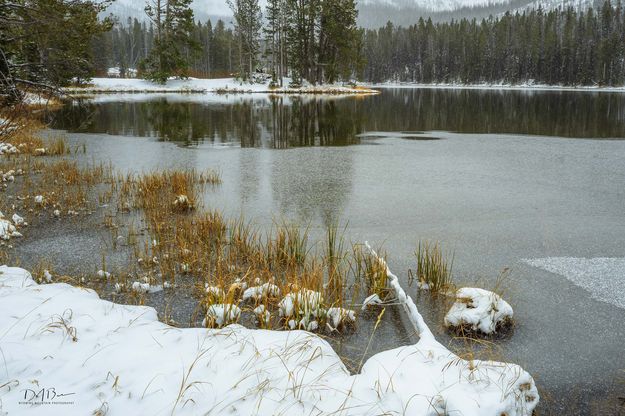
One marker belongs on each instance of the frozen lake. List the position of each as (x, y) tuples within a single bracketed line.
[(533, 181)]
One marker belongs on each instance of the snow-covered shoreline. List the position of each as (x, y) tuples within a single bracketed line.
[(511, 87), (195, 85), (58, 339), (233, 86)]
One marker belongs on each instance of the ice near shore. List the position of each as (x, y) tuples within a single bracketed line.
[(121, 360), (602, 277)]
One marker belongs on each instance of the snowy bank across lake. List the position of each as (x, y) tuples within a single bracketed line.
[(65, 350), (501, 86), (221, 85)]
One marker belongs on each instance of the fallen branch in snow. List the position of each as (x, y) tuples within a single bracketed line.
[(407, 303)]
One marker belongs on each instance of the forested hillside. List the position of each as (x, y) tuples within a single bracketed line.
[(554, 47), (564, 47)]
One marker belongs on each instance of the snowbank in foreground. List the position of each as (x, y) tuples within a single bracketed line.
[(478, 309), (194, 85), (83, 354)]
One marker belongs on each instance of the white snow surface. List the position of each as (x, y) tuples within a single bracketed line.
[(603, 277), (121, 359), (479, 308), (262, 291), (308, 302), (528, 86), (195, 85), (8, 149), (222, 314), (8, 230), (340, 316)]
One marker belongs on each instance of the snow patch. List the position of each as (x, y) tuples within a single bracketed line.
[(262, 291), (303, 302), (479, 309), (8, 149), (221, 314), (220, 85), (337, 317), (603, 277), (123, 356)]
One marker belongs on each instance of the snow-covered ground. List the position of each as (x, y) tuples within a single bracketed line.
[(66, 351), (194, 85), (603, 277), (500, 86)]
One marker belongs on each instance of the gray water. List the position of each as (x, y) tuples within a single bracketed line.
[(513, 175)]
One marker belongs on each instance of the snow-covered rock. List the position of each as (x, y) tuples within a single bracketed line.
[(337, 317), (145, 287), (8, 176), (221, 314), (8, 230), (17, 220), (478, 310), (262, 291), (8, 149), (262, 314), (124, 357), (103, 274), (303, 302)]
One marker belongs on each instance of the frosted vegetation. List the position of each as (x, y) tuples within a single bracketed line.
[(274, 278), (150, 367)]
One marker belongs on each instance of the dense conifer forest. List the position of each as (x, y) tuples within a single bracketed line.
[(552, 47)]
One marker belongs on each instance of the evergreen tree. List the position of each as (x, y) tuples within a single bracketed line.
[(275, 38), (45, 44), (173, 25), (247, 24)]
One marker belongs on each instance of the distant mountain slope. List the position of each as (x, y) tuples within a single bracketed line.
[(203, 9), (375, 13)]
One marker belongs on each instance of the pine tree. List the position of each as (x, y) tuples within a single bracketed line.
[(173, 24), (45, 44), (248, 24), (275, 38)]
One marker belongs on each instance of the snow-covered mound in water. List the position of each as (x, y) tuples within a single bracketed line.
[(122, 361), (478, 310), (603, 277)]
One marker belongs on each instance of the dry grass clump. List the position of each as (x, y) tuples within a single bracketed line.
[(371, 271), (433, 269), (22, 133), (276, 277)]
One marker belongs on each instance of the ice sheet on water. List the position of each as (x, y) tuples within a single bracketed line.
[(603, 277)]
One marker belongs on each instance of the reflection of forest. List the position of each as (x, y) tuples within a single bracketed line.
[(276, 124), (313, 184), (283, 122)]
